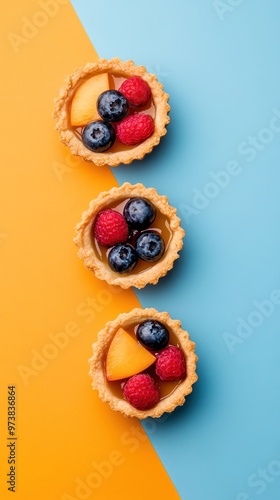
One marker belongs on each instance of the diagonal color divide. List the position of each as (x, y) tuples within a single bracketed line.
[(70, 446), (219, 165)]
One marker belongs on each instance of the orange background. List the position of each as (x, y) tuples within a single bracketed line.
[(69, 444)]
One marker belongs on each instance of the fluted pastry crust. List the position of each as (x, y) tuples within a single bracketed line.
[(100, 347), (101, 269), (125, 69)]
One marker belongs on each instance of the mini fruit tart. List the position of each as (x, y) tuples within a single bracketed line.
[(129, 236), (111, 112), (143, 363)]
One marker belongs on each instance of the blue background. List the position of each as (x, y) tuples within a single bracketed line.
[(221, 68)]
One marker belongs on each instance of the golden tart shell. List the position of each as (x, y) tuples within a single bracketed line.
[(97, 373), (124, 69), (101, 269)]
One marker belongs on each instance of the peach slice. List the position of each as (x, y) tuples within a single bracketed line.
[(126, 357), (83, 108)]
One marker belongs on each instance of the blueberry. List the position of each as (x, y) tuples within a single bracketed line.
[(98, 136), (153, 335), (149, 246), (122, 258), (112, 106), (139, 213)]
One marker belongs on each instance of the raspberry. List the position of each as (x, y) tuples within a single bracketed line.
[(135, 128), (171, 364), (141, 391), (110, 228), (136, 91)]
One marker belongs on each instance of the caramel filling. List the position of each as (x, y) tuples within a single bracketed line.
[(160, 226), (115, 82), (166, 388)]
